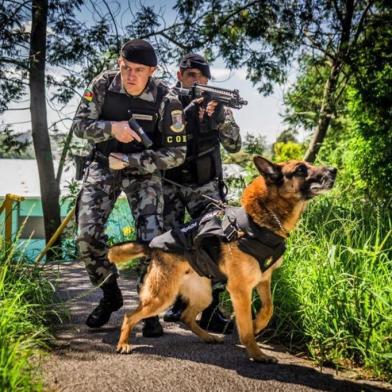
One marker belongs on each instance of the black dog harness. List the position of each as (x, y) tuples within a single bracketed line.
[(199, 241)]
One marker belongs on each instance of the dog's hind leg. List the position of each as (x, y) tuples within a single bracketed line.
[(197, 292), (241, 299)]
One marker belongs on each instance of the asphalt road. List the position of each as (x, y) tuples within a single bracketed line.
[(85, 360)]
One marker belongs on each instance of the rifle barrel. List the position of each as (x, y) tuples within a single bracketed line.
[(229, 97)]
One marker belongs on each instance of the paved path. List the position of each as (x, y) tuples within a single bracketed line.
[(85, 360)]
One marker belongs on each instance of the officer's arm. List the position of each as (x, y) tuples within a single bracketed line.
[(173, 145), (152, 161), (229, 133), (86, 123)]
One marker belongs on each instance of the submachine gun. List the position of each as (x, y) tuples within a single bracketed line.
[(229, 98)]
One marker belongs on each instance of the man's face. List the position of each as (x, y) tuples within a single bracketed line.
[(134, 76), (190, 76)]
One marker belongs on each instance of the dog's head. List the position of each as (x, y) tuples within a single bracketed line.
[(296, 180)]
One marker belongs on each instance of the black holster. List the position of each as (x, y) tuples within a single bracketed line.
[(81, 163)]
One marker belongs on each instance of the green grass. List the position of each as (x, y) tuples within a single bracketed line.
[(333, 293), (24, 298)]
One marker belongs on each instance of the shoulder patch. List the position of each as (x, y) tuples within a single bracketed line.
[(88, 94), (177, 121)]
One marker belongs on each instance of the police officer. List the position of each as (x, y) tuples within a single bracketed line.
[(209, 125), (120, 162)]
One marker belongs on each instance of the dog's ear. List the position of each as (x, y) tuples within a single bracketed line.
[(269, 170)]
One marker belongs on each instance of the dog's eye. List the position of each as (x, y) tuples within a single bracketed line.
[(301, 170)]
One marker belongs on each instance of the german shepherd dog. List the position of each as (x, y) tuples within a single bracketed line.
[(275, 200)]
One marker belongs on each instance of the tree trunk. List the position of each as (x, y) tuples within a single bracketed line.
[(328, 102), (326, 110), (50, 191)]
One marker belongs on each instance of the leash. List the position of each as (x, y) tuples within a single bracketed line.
[(76, 298), (218, 203), (223, 206)]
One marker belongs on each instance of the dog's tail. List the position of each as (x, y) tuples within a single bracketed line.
[(126, 251)]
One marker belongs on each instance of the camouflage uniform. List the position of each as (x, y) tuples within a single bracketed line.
[(141, 181), (189, 196)]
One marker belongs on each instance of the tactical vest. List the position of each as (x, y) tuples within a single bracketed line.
[(203, 161), (199, 241), (116, 107)]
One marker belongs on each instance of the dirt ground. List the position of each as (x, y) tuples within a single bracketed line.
[(85, 360)]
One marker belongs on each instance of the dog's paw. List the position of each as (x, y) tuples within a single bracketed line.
[(212, 339), (124, 348), (263, 358)]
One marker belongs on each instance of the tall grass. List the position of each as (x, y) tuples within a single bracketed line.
[(333, 293), (24, 297)]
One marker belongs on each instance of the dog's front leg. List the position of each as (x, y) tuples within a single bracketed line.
[(241, 299), (264, 315), (189, 318)]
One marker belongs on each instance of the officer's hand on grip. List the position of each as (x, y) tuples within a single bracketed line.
[(122, 132), (216, 111), (118, 161)]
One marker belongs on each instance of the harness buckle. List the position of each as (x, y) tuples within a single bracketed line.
[(229, 229)]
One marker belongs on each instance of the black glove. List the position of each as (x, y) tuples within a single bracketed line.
[(218, 117), (219, 114)]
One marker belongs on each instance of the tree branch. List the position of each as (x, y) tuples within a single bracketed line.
[(61, 120), (180, 45), (338, 12), (315, 45), (64, 154), (28, 108), (361, 22), (237, 11), (3, 24), (14, 62), (115, 26)]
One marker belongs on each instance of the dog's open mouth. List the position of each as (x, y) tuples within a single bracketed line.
[(324, 185), (320, 188)]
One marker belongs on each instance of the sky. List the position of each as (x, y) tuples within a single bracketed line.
[(262, 114), (260, 117)]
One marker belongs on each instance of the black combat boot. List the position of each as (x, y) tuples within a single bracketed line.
[(112, 300), (152, 328), (174, 313), (212, 318)]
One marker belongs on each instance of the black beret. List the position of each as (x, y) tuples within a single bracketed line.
[(139, 51), (193, 60)]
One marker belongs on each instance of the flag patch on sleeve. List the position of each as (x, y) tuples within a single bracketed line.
[(88, 95)]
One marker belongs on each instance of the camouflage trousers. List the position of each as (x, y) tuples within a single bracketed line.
[(177, 200), (100, 190)]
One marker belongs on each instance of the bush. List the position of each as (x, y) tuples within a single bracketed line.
[(25, 294), (286, 151), (333, 292)]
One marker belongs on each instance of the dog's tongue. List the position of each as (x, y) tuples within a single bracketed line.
[(317, 188)]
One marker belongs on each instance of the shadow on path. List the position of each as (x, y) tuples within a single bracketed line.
[(179, 353)]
